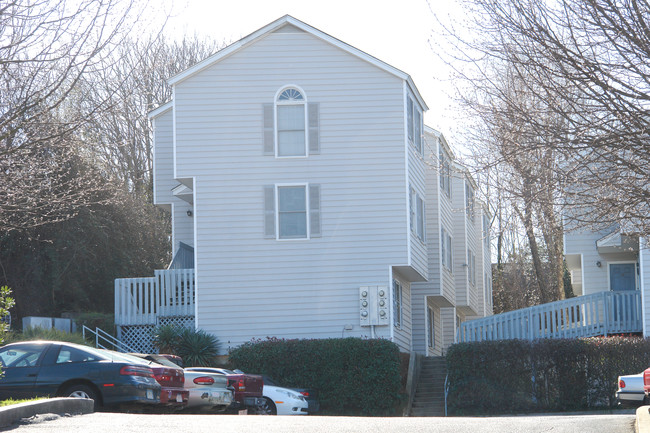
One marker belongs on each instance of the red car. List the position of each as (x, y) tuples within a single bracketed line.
[(248, 388), (170, 377)]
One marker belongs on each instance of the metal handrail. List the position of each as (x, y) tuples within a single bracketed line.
[(106, 339)]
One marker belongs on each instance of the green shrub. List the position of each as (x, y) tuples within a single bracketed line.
[(166, 338), (197, 348), (352, 376), (38, 333), (545, 375)]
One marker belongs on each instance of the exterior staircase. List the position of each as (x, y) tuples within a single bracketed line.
[(429, 397)]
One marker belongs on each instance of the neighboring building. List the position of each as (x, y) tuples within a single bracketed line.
[(308, 200), (610, 260)]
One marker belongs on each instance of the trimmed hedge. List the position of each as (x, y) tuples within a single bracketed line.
[(352, 376), (544, 375)]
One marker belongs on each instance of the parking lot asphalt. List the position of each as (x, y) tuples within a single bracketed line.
[(77, 406), (63, 405)]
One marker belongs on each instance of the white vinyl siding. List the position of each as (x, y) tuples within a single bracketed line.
[(163, 166), (363, 200)]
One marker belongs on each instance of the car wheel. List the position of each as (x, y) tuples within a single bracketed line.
[(268, 408), (81, 391)]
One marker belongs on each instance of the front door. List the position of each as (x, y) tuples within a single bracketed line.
[(622, 277)]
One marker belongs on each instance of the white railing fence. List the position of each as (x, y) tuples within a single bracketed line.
[(140, 301), (583, 316)]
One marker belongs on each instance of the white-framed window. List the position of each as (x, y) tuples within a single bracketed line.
[(292, 211), (486, 233), (469, 200), (447, 253), (431, 339), (445, 170), (418, 215), (291, 123), (397, 304), (471, 267), (414, 124)]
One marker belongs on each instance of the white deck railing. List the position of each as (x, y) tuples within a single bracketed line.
[(139, 301), (583, 316)]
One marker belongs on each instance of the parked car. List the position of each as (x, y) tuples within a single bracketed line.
[(54, 368), (630, 390), (288, 401), (207, 391), (171, 378), (247, 388)]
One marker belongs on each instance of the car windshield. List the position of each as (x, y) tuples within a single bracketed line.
[(269, 381)]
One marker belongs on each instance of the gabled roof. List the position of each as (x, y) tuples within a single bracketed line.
[(160, 110), (289, 20)]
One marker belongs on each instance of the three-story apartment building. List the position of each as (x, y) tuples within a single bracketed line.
[(308, 200)]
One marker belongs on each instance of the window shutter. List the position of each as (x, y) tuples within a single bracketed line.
[(314, 211), (269, 130), (269, 211), (314, 127)]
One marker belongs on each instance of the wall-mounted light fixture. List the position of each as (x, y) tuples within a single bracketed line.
[(189, 213), (598, 264)]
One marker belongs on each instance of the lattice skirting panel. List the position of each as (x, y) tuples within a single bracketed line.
[(140, 337)]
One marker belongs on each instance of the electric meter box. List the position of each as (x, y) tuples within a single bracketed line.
[(373, 305)]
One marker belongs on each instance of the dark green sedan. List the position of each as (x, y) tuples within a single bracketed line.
[(54, 368)]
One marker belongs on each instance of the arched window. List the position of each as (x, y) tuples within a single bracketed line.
[(291, 123)]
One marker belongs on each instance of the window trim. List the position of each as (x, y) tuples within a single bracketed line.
[(414, 125), (276, 132), (277, 211)]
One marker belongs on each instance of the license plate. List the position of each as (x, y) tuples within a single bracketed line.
[(179, 398), (150, 394)]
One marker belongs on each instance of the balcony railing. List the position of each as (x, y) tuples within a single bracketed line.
[(583, 316), (140, 301)]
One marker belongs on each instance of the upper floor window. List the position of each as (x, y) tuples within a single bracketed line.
[(471, 267), (291, 123), (447, 253), (445, 171), (418, 216), (469, 200), (414, 125), (486, 232), (292, 211)]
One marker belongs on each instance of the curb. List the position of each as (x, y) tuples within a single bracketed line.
[(11, 414), (642, 424)]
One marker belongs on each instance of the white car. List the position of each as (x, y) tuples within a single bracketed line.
[(283, 401), (630, 390)]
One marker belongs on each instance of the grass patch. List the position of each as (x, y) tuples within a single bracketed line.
[(11, 401)]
